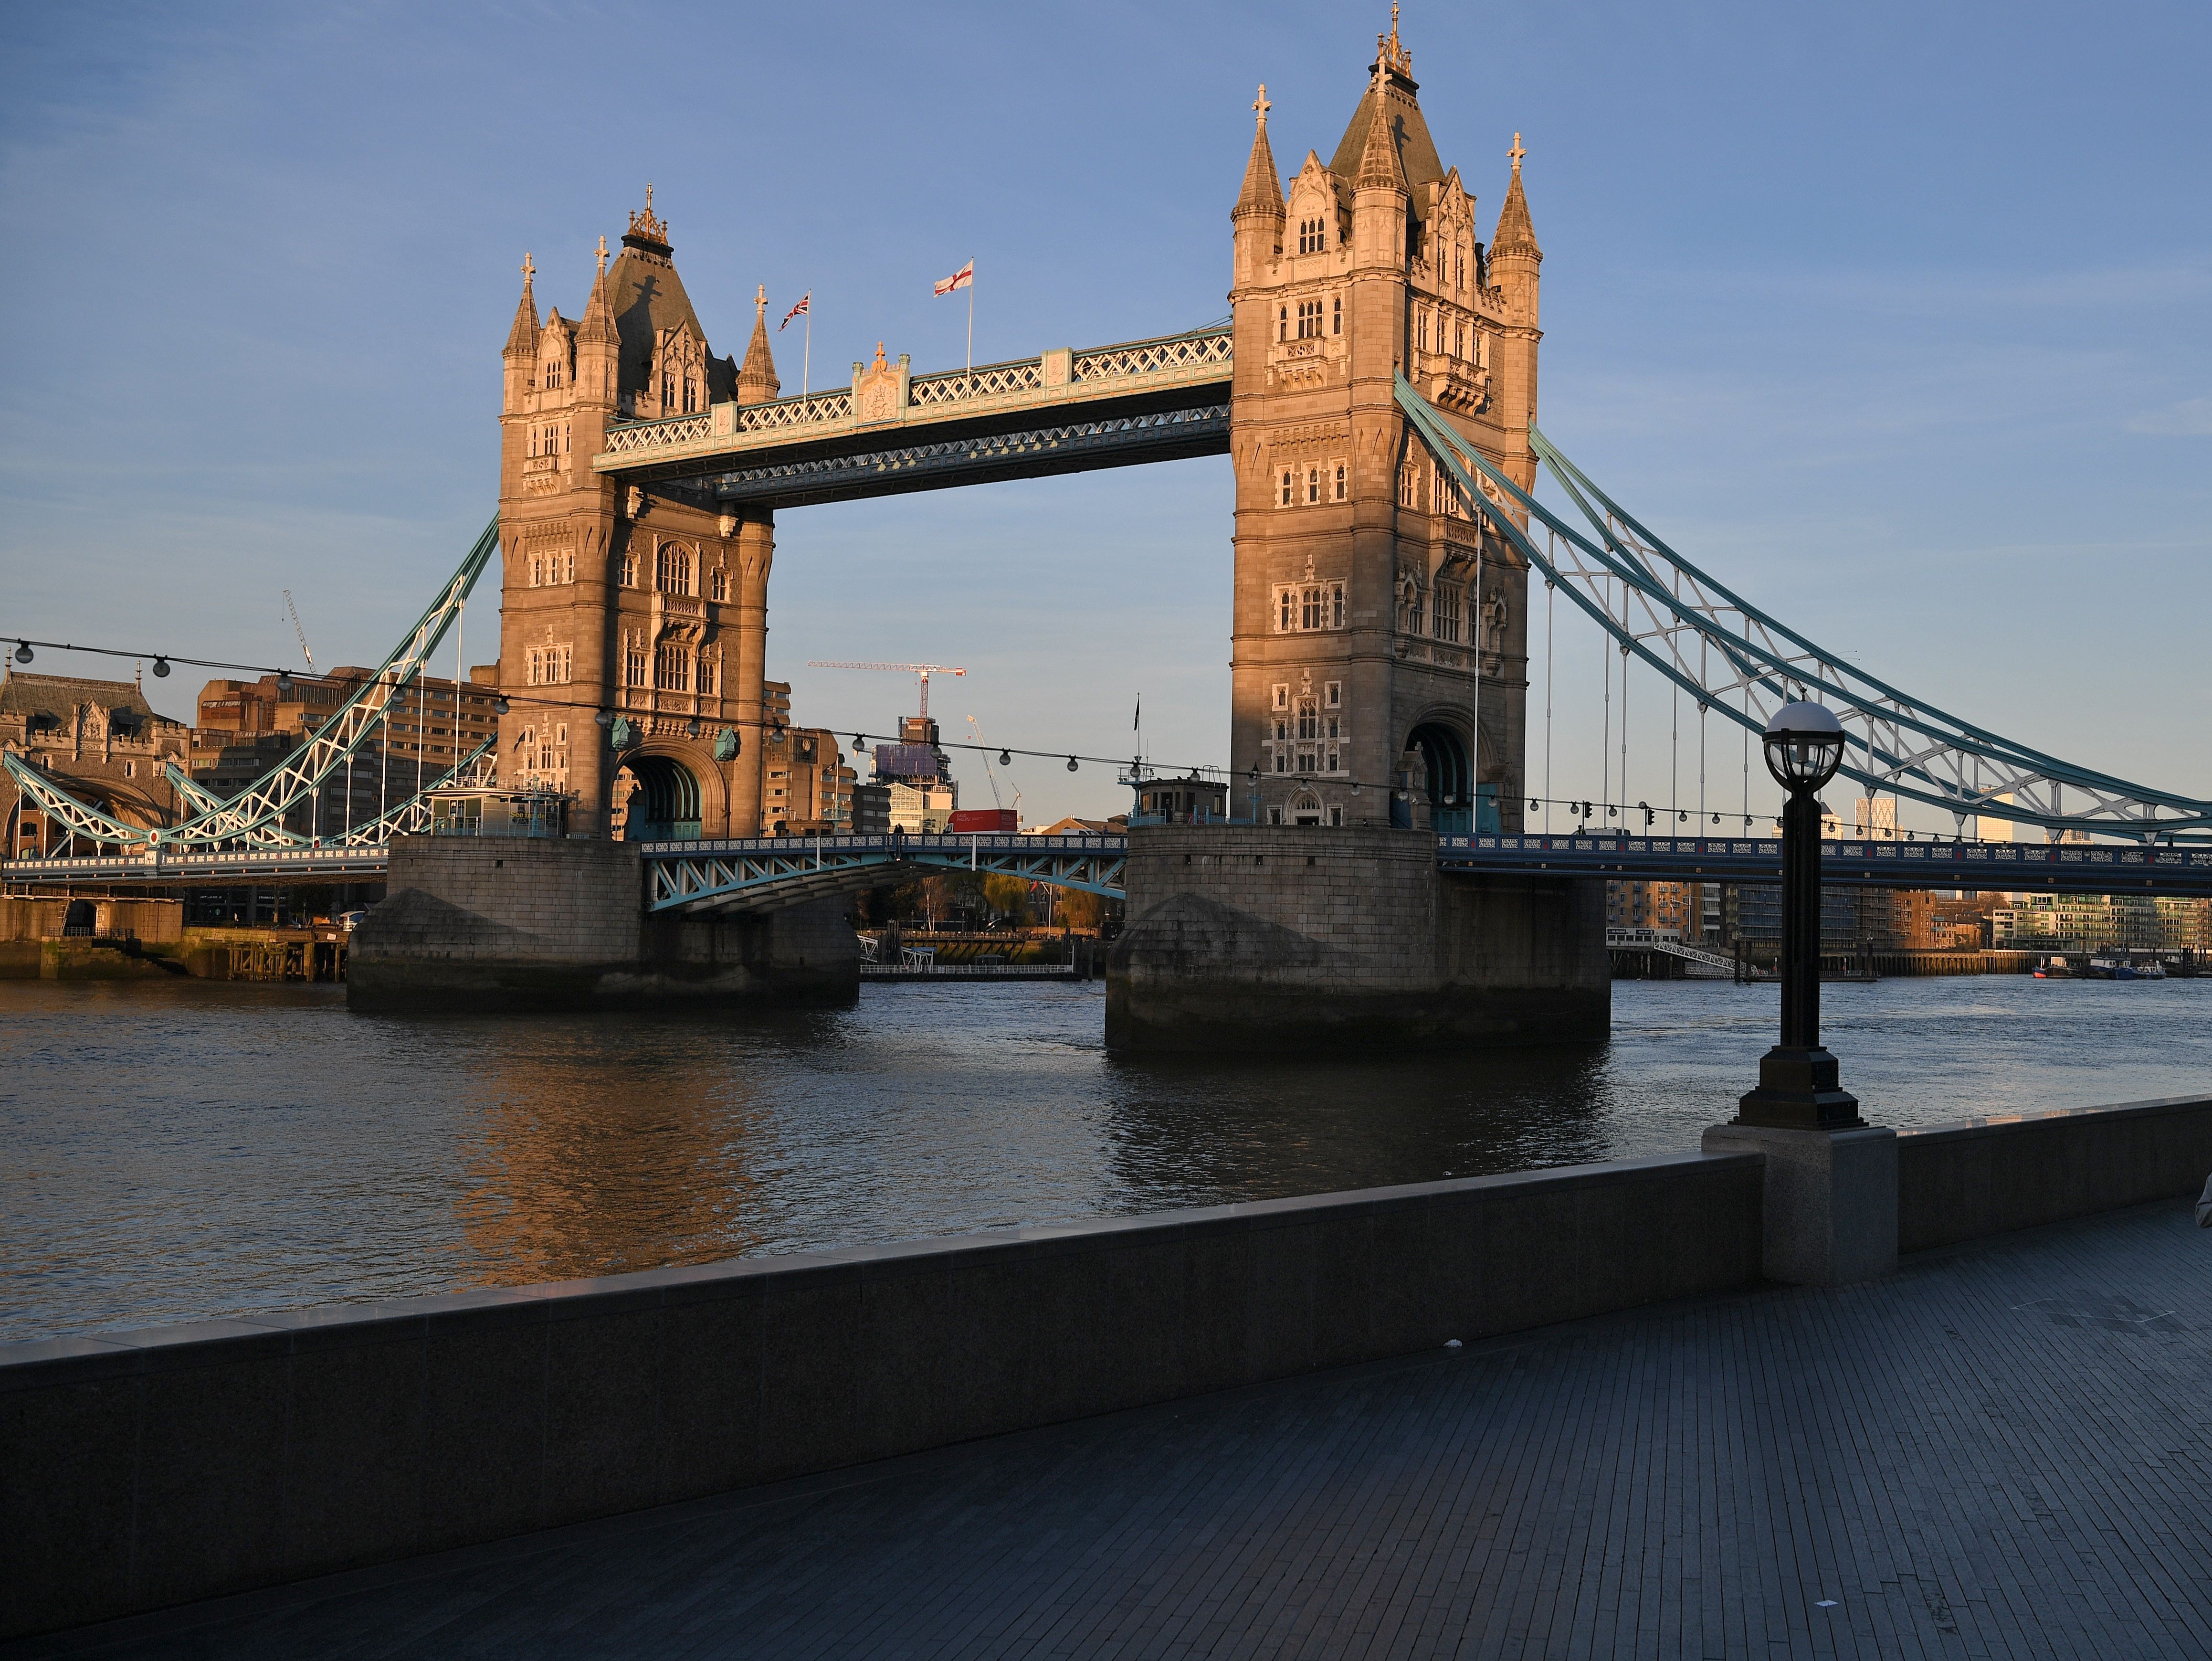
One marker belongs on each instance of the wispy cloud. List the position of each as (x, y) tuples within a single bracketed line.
[(2190, 418)]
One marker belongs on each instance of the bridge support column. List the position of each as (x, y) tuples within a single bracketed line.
[(475, 924), (755, 554), (1309, 938)]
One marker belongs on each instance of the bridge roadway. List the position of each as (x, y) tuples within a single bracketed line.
[(892, 431), (768, 873)]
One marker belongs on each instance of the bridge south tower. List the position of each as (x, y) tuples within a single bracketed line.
[(619, 603), (1379, 637)]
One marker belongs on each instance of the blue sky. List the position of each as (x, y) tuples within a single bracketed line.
[(1895, 316)]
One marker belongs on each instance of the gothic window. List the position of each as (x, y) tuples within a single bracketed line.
[(671, 572), (1423, 319), (710, 677), (1443, 618), (1409, 485), (1282, 697), (1459, 340), (628, 569), (1303, 606), (1286, 609), (634, 664), (1341, 482), (1313, 608), (671, 669), (718, 584), (1309, 319), (1313, 485), (1312, 235), (1336, 605), (1334, 694), (1282, 762), (668, 394), (1309, 722), (536, 572), (552, 373), (1282, 323), (1336, 315), (1288, 486)]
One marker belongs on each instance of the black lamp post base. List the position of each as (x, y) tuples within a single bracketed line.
[(1798, 1090)]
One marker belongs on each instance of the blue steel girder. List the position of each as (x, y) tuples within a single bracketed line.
[(764, 873), (1028, 451), (1852, 862), (1716, 645)]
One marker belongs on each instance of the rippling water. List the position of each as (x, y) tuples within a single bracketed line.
[(182, 1150)]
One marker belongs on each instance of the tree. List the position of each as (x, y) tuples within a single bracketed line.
[(1007, 898), (1079, 910)]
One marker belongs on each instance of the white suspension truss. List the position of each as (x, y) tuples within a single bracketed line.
[(1733, 657)]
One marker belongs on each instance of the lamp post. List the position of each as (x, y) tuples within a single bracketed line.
[(1797, 1079)]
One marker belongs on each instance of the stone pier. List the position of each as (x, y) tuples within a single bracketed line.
[(1244, 935), (488, 923)]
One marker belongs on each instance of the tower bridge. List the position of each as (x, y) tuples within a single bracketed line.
[(1375, 387)]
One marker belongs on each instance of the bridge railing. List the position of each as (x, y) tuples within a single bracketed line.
[(1065, 376)]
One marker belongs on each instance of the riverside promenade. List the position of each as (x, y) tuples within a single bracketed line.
[(2002, 1449)]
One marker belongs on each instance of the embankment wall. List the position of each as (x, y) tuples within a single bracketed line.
[(146, 1468)]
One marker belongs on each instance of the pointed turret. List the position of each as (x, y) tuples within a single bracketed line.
[(598, 341), (1517, 233), (1262, 194), (522, 338), (1379, 166), (757, 381)]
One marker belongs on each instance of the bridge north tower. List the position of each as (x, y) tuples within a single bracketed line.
[(1380, 625), (618, 604)]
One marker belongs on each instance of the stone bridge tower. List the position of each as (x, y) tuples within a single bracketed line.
[(1380, 646), (626, 614)]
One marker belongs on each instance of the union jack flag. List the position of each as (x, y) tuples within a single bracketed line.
[(962, 278), (804, 308)]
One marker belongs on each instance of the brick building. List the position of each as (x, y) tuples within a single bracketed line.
[(99, 741)]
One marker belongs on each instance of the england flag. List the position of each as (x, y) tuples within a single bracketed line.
[(962, 278)]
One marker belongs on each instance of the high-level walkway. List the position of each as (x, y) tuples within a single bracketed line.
[(2004, 1450)]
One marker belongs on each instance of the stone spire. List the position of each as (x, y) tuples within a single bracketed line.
[(1379, 166), (598, 325), (1516, 235), (522, 338), (1263, 189), (757, 381)]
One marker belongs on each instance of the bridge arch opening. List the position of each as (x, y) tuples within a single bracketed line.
[(663, 799), (1445, 778)]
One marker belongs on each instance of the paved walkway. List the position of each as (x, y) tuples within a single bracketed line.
[(2002, 1450)]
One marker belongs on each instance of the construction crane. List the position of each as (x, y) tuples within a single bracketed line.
[(298, 631), (924, 670), (984, 750)]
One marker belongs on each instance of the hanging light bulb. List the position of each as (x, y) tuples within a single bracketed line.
[(1006, 758), (160, 668), (23, 653), (1071, 764), (1717, 819), (498, 706)]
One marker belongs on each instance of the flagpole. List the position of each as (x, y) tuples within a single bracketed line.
[(971, 319), (806, 356)]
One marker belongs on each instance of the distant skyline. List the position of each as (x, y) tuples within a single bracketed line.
[(1894, 318)]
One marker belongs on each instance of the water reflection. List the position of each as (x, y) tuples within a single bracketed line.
[(175, 1151)]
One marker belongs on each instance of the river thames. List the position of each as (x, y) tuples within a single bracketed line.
[(183, 1151)]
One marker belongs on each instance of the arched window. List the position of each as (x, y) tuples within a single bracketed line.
[(1336, 315), (1282, 323), (690, 395), (671, 572)]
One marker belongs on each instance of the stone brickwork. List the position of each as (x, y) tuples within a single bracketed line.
[(496, 923), (1381, 628), (1254, 935)]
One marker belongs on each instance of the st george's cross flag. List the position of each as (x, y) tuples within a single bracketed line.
[(962, 278), (804, 308)]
